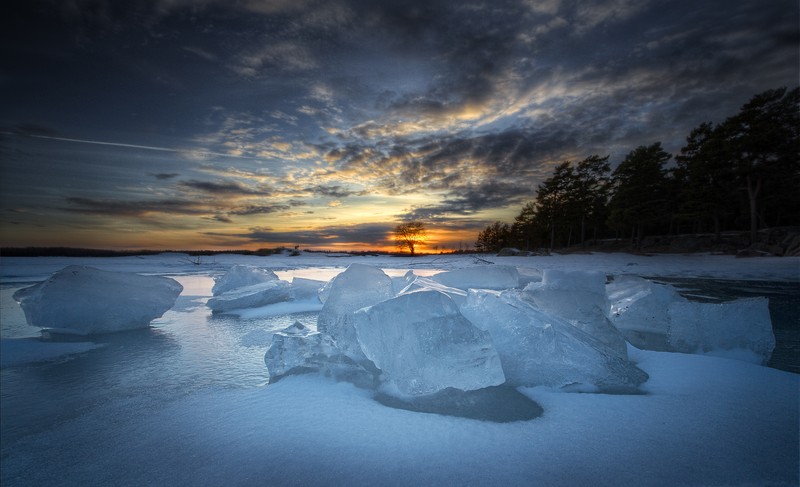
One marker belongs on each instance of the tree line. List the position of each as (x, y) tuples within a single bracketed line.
[(740, 174)]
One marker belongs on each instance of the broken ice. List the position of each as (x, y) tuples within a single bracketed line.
[(84, 300), (422, 344)]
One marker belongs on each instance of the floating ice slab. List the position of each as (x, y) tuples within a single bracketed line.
[(241, 276), (303, 288), (480, 277), (299, 350), (728, 329), (84, 300), (580, 298), (358, 286), (262, 294), (540, 349), (422, 344), (640, 310)]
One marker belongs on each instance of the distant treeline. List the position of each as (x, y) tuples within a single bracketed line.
[(741, 174)]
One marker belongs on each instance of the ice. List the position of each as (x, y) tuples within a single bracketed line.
[(639, 308), (303, 288), (655, 317), (241, 276), (538, 349), (83, 300), (262, 294), (480, 277), (299, 350), (580, 298), (422, 344), (18, 351), (400, 283), (725, 329), (358, 286), (428, 284)]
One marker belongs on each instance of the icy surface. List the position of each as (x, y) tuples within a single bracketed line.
[(655, 317), (459, 296), (241, 276), (724, 328), (299, 350), (303, 288), (579, 297), (269, 292), (422, 344), (17, 351), (480, 277), (83, 300), (639, 308), (538, 349), (358, 286), (181, 403)]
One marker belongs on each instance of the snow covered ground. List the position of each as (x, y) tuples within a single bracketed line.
[(185, 402)]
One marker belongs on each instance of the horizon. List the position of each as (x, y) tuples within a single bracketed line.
[(260, 124)]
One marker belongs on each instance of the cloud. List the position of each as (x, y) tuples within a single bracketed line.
[(369, 234), (164, 175), (224, 188), (123, 208)]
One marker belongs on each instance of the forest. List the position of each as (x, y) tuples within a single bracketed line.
[(742, 174)]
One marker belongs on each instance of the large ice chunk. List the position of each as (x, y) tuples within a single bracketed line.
[(480, 277), (639, 309), (303, 288), (298, 350), (459, 296), (655, 317), (241, 276), (358, 286), (580, 298), (422, 344), (540, 349), (84, 300), (262, 294), (740, 329)]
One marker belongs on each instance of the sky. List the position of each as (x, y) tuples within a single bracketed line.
[(246, 124)]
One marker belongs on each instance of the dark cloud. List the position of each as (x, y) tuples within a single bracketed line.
[(165, 175), (368, 233), (133, 208), (259, 209), (224, 188)]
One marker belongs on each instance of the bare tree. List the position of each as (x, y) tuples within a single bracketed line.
[(410, 234)]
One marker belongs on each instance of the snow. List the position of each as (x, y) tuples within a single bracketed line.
[(183, 402), (422, 345), (83, 300)]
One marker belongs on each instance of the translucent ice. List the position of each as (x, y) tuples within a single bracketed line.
[(639, 309), (580, 298), (428, 284), (303, 288), (262, 294), (422, 344), (241, 276), (738, 326), (358, 286), (480, 277), (84, 300), (298, 350), (540, 349)]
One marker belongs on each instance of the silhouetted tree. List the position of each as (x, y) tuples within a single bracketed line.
[(410, 234), (640, 197), (495, 237)]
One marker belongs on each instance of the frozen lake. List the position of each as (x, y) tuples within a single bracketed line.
[(185, 402)]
